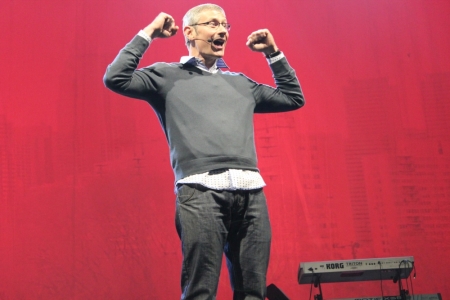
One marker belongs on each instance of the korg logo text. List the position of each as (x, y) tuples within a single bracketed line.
[(335, 266)]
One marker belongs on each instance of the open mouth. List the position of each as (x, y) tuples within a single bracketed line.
[(218, 43)]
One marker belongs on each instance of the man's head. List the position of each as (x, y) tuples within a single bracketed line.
[(205, 30)]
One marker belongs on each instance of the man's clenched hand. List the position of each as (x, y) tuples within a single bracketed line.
[(163, 26)]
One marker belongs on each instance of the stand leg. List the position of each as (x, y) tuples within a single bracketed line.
[(317, 284)]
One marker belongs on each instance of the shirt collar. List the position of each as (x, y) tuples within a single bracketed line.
[(192, 60)]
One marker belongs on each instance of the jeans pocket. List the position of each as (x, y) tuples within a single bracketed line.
[(184, 193)]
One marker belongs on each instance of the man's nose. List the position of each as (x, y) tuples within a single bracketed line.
[(222, 31)]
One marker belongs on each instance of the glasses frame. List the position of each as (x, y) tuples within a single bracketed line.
[(214, 24)]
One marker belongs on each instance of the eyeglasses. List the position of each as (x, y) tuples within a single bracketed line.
[(214, 24)]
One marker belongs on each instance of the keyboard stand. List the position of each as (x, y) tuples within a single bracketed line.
[(317, 284)]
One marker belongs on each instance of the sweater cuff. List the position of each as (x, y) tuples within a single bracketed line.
[(281, 66), (145, 36), (271, 60), (138, 45)]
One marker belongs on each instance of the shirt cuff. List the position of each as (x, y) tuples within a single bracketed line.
[(145, 36), (271, 60)]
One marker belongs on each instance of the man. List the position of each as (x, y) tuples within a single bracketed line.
[(207, 117)]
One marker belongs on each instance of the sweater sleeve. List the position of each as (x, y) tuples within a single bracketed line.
[(122, 77), (286, 96)]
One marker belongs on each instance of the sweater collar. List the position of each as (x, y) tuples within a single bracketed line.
[(191, 60)]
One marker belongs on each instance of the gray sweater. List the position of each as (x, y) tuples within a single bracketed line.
[(207, 118)]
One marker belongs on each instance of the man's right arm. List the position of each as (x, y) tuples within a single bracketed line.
[(121, 75)]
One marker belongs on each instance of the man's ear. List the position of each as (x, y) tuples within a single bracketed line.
[(188, 32)]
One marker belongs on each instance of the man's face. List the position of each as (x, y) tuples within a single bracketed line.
[(209, 43)]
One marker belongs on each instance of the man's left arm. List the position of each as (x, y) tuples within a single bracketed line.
[(288, 95)]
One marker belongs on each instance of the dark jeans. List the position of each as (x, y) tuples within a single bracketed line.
[(211, 223)]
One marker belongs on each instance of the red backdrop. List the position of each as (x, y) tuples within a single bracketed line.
[(86, 194)]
